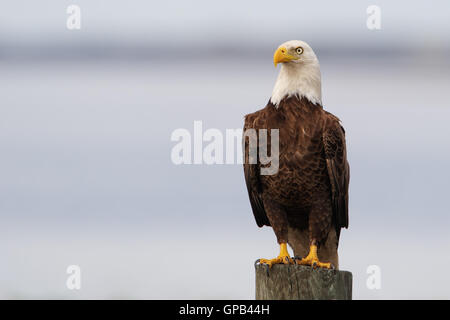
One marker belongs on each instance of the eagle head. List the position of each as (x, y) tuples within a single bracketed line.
[(294, 52), (299, 74)]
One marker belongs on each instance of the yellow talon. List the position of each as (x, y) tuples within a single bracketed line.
[(283, 257), (313, 260)]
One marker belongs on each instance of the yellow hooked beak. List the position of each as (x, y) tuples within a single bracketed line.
[(282, 55)]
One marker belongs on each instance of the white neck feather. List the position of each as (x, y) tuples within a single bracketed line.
[(301, 79)]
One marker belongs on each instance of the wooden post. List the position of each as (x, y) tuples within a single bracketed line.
[(295, 282)]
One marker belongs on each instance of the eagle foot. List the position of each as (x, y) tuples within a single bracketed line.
[(277, 260), (313, 260), (314, 263), (283, 258)]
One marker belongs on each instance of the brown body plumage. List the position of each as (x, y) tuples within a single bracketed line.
[(310, 190)]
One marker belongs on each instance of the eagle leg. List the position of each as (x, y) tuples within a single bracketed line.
[(283, 257), (313, 260)]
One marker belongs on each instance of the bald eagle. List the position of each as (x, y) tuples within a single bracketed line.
[(306, 201)]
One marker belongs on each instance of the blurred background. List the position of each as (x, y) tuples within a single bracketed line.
[(86, 117)]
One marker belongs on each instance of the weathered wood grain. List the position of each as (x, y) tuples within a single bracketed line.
[(295, 282)]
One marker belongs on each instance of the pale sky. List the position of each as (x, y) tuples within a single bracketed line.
[(86, 175), (245, 22)]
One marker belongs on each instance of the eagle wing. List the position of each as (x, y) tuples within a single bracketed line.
[(252, 177), (338, 170)]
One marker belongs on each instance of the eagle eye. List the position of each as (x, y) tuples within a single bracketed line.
[(299, 50)]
